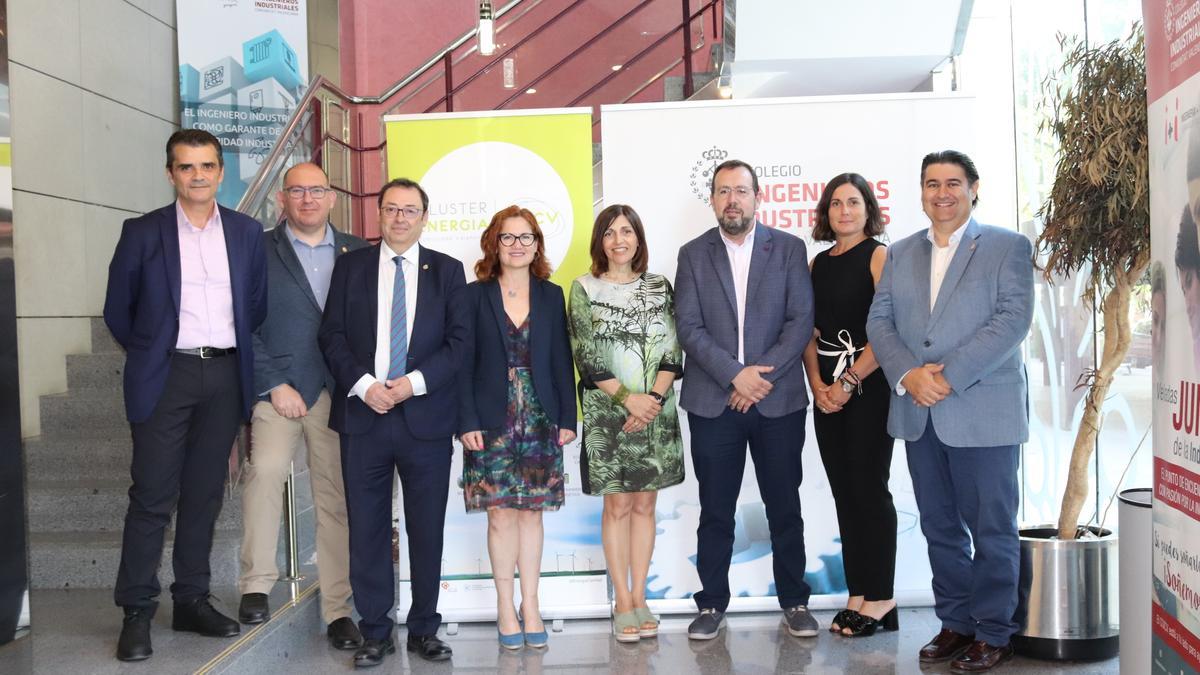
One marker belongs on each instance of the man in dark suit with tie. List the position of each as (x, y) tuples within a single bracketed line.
[(294, 388), (744, 314), (186, 287), (393, 335)]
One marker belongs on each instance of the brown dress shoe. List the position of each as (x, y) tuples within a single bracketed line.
[(946, 645), (981, 656)]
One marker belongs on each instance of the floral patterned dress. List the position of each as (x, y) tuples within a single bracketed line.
[(626, 331), (521, 465)]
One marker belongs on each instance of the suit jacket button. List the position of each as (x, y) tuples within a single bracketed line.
[(928, 343)]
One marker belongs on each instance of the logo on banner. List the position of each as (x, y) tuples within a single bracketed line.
[(702, 171), (469, 184), (1168, 19)]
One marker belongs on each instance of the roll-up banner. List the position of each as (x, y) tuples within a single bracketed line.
[(243, 64), (658, 158), (1173, 96), (472, 165)]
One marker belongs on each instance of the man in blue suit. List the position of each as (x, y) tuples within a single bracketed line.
[(744, 314), (393, 335), (186, 287), (950, 313), (294, 388)]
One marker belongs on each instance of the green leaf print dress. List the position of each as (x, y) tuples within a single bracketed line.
[(626, 331)]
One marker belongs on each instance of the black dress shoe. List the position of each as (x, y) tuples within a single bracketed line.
[(371, 653), (946, 645), (199, 616), (429, 647), (253, 608), (343, 634), (134, 644)]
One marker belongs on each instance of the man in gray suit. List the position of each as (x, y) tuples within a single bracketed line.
[(294, 387), (950, 313), (744, 313)]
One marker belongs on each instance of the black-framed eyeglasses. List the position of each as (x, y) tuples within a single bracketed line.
[(409, 212), (526, 239), (298, 191)]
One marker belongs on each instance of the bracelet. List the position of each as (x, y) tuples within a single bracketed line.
[(657, 397), (620, 396)]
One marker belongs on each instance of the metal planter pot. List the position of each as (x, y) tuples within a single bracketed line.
[(1069, 598)]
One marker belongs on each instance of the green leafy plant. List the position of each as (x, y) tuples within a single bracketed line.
[(1097, 215)]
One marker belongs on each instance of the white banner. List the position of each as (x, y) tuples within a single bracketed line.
[(243, 64), (658, 158)]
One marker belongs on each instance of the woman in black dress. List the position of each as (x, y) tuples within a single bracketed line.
[(851, 397)]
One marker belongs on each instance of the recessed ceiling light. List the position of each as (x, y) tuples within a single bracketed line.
[(617, 67), (531, 90)]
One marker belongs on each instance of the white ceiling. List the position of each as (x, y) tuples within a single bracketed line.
[(820, 47)]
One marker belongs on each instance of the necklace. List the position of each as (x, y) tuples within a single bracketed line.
[(616, 280)]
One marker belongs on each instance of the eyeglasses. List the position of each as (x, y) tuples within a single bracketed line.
[(410, 212), (298, 192), (741, 191), (508, 239)]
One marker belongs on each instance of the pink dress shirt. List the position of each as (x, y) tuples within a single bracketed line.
[(205, 294)]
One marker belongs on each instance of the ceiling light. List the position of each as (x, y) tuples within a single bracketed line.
[(487, 30), (531, 90)]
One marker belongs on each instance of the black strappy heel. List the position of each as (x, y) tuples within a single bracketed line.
[(861, 625), (843, 619)]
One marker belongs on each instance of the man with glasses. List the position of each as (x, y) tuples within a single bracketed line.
[(293, 386), (744, 314), (395, 406), (186, 287)]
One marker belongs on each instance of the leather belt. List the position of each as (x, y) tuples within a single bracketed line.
[(207, 352)]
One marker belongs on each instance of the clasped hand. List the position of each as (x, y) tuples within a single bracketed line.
[(926, 384), (642, 411), (383, 396), (749, 387)]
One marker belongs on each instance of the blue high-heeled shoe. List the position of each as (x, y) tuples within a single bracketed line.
[(536, 640), (513, 641)]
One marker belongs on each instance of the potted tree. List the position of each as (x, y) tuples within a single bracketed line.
[(1096, 222)]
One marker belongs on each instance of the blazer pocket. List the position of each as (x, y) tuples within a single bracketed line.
[(1004, 376)]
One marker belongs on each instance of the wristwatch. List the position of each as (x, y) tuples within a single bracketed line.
[(847, 387), (657, 396)]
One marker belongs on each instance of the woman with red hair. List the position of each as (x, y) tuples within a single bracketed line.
[(517, 410)]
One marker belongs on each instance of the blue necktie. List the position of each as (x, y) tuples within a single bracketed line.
[(398, 365)]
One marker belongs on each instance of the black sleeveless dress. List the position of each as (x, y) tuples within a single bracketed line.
[(855, 446)]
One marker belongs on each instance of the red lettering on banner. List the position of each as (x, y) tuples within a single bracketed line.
[(882, 191), (1186, 416), (1177, 487), (1179, 638)]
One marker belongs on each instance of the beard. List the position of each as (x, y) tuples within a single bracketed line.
[(733, 225)]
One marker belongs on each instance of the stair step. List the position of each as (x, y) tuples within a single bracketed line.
[(91, 559), (84, 412), (97, 506), (673, 85), (68, 457), (102, 339), (96, 371)]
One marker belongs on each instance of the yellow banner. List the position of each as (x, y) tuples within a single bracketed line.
[(475, 164)]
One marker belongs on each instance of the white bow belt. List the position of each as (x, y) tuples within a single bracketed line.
[(844, 351)]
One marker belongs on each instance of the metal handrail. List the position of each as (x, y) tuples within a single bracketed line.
[(321, 83)]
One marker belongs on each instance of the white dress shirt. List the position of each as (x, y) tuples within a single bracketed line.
[(739, 261), (939, 262), (383, 323)]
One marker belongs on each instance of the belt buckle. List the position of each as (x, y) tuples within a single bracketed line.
[(207, 353)]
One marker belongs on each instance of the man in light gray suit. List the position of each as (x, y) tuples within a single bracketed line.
[(744, 314), (294, 387), (950, 313)]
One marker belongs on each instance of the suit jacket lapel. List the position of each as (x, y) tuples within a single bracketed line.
[(425, 292), (921, 272), (371, 280), (720, 261), (492, 290), (758, 259), (958, 265), (287, 255), (169, 228), (537, 294), (233, 251)]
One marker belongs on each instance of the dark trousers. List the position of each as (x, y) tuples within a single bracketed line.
[(369, 461), (969, 496), (857, 453), (180, 462), (719, 458)]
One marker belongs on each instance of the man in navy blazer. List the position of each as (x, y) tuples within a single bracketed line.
[(744, 314), (186, 287), (393, 335), (950, 313), (294, 388)]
